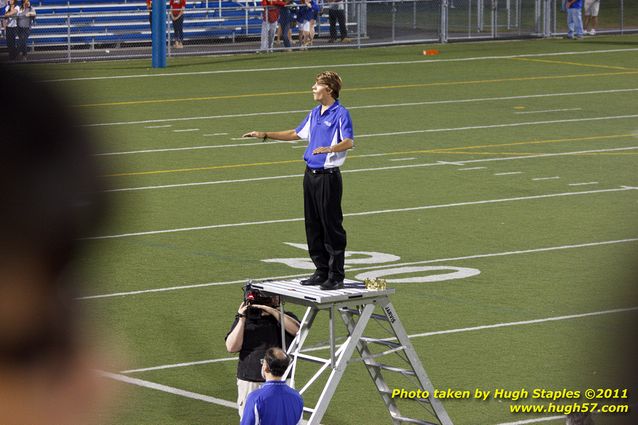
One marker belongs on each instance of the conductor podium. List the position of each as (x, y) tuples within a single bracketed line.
[(354, 306)]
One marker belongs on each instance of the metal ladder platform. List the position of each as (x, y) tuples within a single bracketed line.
[(355, 305)]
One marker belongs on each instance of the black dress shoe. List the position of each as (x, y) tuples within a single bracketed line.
[(313, 280), (331, 284)]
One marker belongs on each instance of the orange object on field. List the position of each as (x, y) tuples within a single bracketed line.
[(430, 52)]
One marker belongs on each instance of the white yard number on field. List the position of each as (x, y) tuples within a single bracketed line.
[(430, 276), (352, 257), (360, 258)]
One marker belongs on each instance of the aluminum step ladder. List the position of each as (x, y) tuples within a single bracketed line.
[(355, 306)]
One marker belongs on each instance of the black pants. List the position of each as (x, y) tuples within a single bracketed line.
[(335, 15), (23, 36), (12, 34), (178, 28), (284, 22), (325, 234)]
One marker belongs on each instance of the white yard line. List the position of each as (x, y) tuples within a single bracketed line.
[(387, 105), (175, 391), (190, 148), (185, 364), (180, 287), (187, 130), (207, 117), (509, 173), (549, 110), (332, 65), (418, 335), (169, 186), (546, 178), (372, 155), (215, 134), (403, 159), (498, 254), (358, 170), (357, 214), (526, 322), (535, 420), (167, 389), (582, 184), (514, 124), (451, 163), (470, 168), (159, 126), (439, 260)]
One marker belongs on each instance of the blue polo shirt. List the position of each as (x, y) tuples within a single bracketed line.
[(307, 13), (323, 130), (275, 403)]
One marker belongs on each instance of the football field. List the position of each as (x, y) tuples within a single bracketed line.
[(498, 178)]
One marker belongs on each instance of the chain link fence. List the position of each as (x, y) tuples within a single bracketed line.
[(104, 29)]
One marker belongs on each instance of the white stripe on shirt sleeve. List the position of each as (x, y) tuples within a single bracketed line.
[(304, 133)]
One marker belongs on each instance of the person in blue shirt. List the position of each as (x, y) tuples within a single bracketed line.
[(275, 403), (305, 16), (574, 18), (328, 128)]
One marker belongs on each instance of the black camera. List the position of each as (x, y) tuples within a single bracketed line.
[(253, 296)]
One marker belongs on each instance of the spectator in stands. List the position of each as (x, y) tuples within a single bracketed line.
[(337, 13), (278, 36), (269, 19), (26, 16), (591, 16), (3, 24), (149, 7), (304, 16), (50, 190), (177, 15), (285, 18), (275, 403), (574, 18), (313, 22), (11, 20), (256, 328)]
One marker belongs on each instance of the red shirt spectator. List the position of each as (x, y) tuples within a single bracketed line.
[(273, 9), (177, 7)]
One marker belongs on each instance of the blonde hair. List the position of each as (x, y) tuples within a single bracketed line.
[(331, 80)]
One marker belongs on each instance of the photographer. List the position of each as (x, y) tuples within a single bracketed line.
[(256, 329)]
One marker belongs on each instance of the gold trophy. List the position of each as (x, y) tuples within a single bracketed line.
[(375, 284)]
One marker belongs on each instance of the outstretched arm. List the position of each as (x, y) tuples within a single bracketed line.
[(288, 135)]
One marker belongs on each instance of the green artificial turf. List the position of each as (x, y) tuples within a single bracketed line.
[(545, 171)]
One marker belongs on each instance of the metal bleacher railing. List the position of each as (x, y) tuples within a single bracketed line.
[(67, 30), (101, 23)]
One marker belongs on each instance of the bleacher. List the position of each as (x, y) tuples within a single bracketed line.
[(90, 23)]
